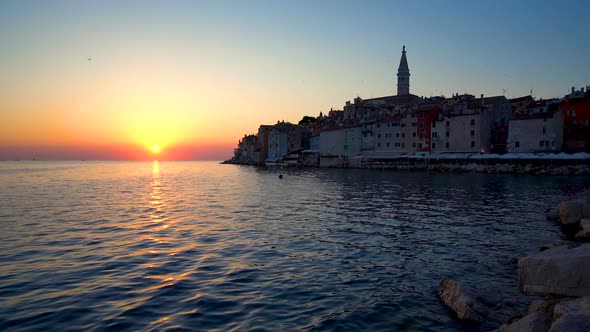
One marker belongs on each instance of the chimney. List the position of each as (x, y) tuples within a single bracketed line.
[(482, 100), (582, 89), (573, 89)]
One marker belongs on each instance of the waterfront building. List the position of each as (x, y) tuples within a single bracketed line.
[(499, 107), (538, 106), (341, 147), (575, 108), (410, 141), (331, 147), (285, 137), (263, 133), (536, 131), (247, 151), (519, 104), (425, 116), (368, 138), (468, 130), (388, 138)]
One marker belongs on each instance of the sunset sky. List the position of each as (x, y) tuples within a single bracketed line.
[(193, 77)]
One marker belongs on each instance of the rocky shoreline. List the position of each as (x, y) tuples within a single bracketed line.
[(560, 274), (468, 167)]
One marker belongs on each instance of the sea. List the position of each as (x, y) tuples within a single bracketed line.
[(199, 246)]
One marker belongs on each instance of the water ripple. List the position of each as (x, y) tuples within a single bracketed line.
[(104, 246)]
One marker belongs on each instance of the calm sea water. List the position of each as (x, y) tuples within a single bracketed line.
[(178, 246)]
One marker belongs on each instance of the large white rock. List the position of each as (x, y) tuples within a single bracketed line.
[(557, 271), (533, 322), (462, 301), (572, 323), (585, 223), (579, 306)]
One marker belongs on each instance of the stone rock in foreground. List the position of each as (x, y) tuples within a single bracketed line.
[(577, 306), (571, 212), (572, 323), (558, 271), (583, 235), (462, 301), (533, 322), (544, 305)]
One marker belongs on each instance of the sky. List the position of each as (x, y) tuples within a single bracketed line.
[(112, 79)]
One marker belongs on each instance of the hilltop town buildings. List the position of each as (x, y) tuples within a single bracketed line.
[(389, 127)]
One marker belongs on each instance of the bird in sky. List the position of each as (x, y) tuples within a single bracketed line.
[(89, 59)]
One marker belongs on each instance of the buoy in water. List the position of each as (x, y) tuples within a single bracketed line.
[(280, 176)]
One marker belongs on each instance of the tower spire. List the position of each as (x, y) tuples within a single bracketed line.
[(403, 75)]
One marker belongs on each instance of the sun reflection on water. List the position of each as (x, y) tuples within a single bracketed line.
[(156, 195)]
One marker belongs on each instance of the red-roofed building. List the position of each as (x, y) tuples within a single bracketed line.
[(575, 108), (426, 115)]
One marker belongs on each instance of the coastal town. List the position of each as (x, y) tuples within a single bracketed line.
[(390, 130)]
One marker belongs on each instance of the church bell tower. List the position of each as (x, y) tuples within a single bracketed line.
[(403, 75)]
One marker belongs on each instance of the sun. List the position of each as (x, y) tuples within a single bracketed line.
[(155, 149)]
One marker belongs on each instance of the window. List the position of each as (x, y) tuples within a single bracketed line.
[(434, 134), (414, 134), (396, 134), (448, 124), (413, 145), (378, 144), (545, 120), (584, 122), (421, 125), (447, 145), (434, 125), (433, 145), (473, 122), (472, 144), (473, 133), (422, 115), (378, 135), (345, 147), (403, 145), (447, 134), (544, 130), (541, 143), (387, 144), (517, 144), (571, 113), (388, 125), (421, 136), (413, 124), (378, 126), (403, 125), (413, 115), (403, 134), (419, 145)]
